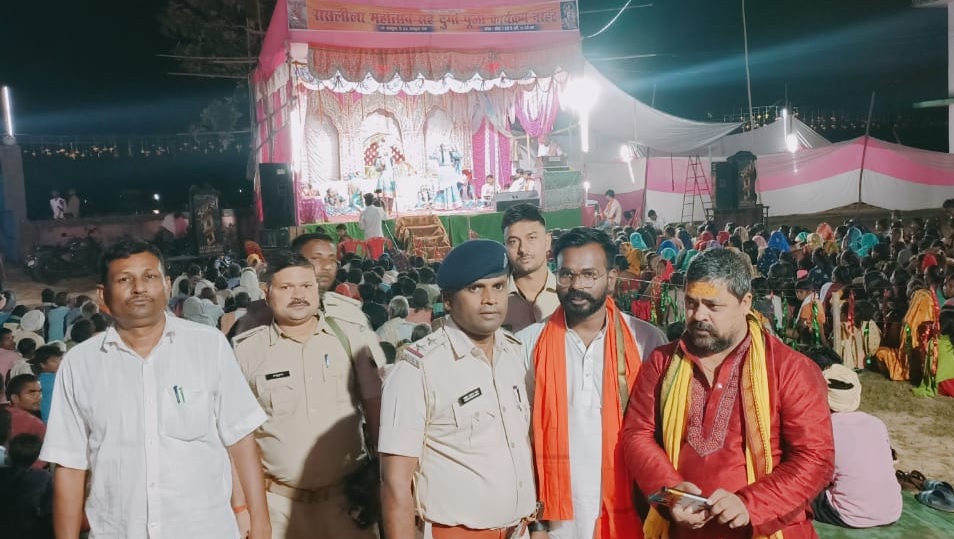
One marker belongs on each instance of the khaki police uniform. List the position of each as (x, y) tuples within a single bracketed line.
[(313, 438), (523, 311), (342, 307), (467, 419)]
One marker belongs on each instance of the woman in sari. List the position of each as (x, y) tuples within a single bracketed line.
[(940, 379)]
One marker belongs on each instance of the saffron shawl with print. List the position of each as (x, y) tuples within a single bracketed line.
[(551, 436)]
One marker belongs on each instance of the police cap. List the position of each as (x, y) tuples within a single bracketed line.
[(471, 261)]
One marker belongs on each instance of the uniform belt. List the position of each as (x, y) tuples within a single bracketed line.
[(303, 495), (439, 531)]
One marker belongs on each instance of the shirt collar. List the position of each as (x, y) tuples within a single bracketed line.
[(276, 334), (550, 285), (112, 337), (460, 343)]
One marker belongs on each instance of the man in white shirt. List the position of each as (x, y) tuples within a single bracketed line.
[(613, 212), (488, 191), (397, 328), (583, 346), (371, 218), (152, 412), (57, 205)]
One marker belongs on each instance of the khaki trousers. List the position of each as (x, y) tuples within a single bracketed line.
[(327, 519)]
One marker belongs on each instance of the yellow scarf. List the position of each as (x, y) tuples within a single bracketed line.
[(756, 413)]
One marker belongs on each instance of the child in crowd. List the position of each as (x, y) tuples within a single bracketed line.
[(46, 361)]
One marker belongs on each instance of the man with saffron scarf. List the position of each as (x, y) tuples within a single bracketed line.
[(730, 413), (585, 358)]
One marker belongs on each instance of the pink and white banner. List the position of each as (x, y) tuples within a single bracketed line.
[(808, 181)]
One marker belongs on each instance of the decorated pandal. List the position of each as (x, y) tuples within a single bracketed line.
[(419, 153), (420, 112)]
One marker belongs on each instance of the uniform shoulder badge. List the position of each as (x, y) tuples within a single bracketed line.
[(246, 335), (412, 355), (512, 338), (334, 298)]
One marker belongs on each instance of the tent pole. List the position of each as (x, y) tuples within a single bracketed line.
[(748, 77), (864, 152), (644, 209)]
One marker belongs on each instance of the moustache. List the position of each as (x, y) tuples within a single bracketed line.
[(701, 326), (578, 294), (298, 303)]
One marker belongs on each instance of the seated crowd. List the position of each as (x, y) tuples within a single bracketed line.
[(849, 297)]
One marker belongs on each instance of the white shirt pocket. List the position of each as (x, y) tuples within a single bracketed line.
[(187, 415)]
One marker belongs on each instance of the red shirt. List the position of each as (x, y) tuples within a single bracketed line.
[(23, 422), (712, 452)]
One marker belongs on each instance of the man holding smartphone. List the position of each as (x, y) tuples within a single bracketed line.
[(723, 401)]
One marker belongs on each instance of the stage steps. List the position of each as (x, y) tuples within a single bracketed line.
[(424, 236)]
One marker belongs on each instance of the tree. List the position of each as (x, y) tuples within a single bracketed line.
[(216, 37), (220, 39)]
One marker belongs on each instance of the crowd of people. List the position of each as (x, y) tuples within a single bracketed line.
[(515, 389)]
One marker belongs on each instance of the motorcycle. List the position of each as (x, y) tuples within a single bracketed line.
[(78, 258)]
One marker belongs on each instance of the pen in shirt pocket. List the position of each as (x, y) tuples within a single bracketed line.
[(516, 392), (179, 394)]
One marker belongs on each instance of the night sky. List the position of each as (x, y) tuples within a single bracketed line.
[(82, 68)]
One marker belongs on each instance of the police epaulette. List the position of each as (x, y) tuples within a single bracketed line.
[(413, 356), (246, 334)]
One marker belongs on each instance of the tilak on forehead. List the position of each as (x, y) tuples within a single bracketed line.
[(702, 290)]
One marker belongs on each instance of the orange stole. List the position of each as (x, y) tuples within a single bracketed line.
[(551, 423)]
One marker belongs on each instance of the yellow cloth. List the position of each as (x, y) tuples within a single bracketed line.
[(757, 418)]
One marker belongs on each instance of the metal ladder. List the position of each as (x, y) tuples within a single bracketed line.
[(696, 187)]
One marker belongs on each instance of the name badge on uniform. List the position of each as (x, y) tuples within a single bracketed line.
[(469, 396), (277, 375)]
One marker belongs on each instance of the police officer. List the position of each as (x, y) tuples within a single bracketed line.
[(320, 250), (454, 442), (317, 378)]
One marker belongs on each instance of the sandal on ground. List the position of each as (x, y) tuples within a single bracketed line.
[(917, 479), (936, 499), (904, 479), (941, 486)]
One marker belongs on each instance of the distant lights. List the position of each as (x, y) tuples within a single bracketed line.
[(7, 116)]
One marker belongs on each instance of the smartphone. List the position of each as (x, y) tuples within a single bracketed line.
[(671, 497)]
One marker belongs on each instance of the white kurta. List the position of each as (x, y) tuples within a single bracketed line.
[(584, 380)]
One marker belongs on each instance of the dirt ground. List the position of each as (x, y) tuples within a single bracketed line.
[(920, 427)]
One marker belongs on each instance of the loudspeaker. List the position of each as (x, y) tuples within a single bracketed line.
[(275, 238), (726, 186), (506, 199), (278, 195)]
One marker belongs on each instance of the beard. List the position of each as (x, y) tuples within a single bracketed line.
[(707, 344), (581, 310)]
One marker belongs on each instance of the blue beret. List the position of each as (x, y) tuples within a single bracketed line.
[(471, 261)]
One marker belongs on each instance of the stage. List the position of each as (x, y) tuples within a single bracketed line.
[(458, 224)]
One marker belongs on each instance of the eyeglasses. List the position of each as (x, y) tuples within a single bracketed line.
[(587, 278)]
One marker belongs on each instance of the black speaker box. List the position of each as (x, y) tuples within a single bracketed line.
[(726, 186), (278, 195), (502, 205)]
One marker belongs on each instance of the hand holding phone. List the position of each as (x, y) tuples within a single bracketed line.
[(672, 497)]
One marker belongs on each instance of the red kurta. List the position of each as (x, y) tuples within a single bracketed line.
[(712, 454)]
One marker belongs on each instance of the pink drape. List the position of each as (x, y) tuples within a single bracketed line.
[(491, 155), (537, 118)]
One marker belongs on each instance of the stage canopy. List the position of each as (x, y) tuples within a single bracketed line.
[(342, 86)]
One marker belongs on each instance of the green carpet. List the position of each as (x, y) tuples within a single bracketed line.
[(917, 521), (486, 225)]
